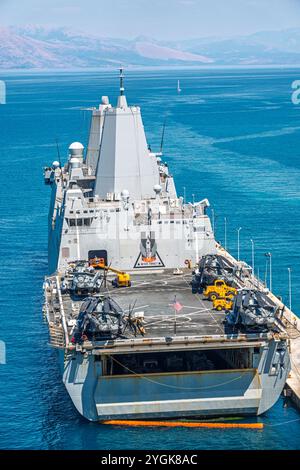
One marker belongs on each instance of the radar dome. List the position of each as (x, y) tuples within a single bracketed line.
[(105, 100), (125, 194), (157, 188), (76, 149)]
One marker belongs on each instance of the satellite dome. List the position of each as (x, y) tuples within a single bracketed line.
[(125, 194), (76, 149), (105, 100), (157, 188), (76, 146)]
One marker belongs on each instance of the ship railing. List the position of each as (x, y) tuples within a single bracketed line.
[(62, 311), (181, 342), (142, 219), (57, 337)]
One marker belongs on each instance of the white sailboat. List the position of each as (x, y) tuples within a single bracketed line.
[(178, 87)]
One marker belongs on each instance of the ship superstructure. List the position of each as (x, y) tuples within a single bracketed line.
[(152, 347)]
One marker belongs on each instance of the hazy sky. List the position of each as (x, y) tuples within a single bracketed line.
[(162, 19)]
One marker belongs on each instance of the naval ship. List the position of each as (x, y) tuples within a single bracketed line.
[(134, 275)]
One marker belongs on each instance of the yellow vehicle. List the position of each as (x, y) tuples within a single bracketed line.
[(223, 304), (219, 290), (122, 279)]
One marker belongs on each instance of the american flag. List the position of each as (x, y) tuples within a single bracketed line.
[(177, 305)]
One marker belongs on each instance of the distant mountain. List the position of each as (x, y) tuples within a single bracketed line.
[(263, 48), (45, 48), (36, 47)]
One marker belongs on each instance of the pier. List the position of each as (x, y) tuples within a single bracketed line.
[(292, 325)]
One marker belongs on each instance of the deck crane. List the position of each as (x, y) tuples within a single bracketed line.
[(122, 278)]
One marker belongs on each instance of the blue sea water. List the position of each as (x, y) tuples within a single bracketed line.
[(232, 136)]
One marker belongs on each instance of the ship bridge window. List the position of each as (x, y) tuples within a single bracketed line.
[(79, 222)]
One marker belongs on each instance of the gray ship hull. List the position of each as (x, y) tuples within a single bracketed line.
[(236, 392), (167, 355)]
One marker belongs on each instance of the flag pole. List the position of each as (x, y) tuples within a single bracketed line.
[(175, 326)]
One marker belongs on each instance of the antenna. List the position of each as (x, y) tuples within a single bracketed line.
[(163, 135), (58, 152), (129, 322), (122, 89)]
